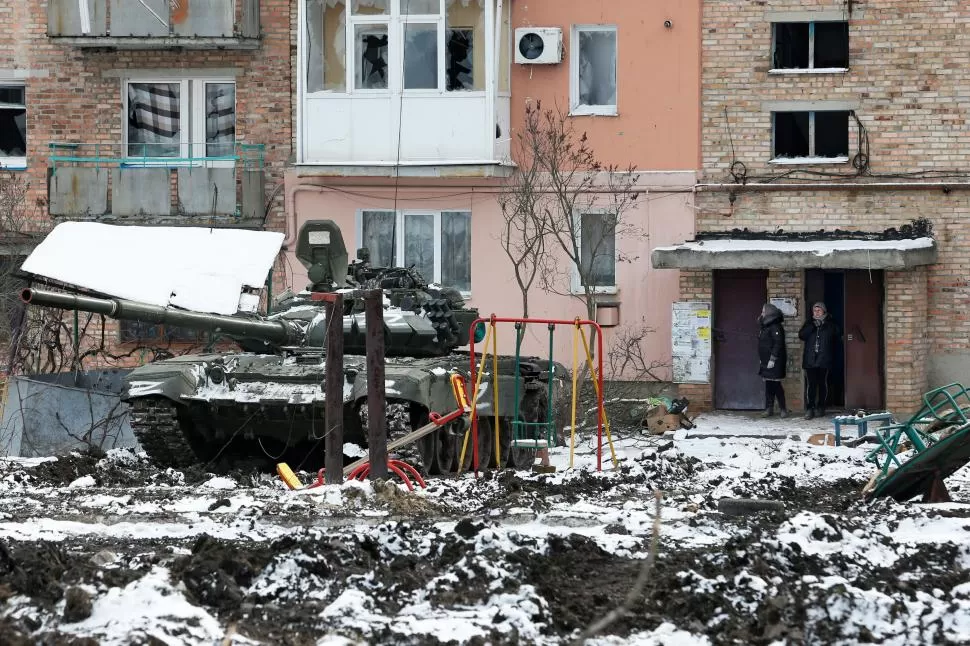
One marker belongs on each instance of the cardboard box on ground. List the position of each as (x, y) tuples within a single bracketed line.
[(661, 418)]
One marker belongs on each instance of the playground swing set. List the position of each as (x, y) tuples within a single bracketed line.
[(525, 435)]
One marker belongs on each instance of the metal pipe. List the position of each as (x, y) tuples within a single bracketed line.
[(830, 186)]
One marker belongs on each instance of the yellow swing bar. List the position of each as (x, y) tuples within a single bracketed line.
[(474, 405), (599, 396)]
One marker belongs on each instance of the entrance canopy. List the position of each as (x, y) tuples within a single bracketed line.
[(830, 253)]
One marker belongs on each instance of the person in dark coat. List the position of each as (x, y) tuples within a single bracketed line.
[(773, 358), (821, 336)]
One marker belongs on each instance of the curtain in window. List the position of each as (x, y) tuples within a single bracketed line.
[(456, 250), (153, 119), (377, 235), (220, 119), (597, 68), (419, 243), (598, 249)]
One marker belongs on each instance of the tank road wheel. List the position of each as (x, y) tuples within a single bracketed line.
[(447, 457), (167, 433), (428, 450), (486, 440), (505, 436)]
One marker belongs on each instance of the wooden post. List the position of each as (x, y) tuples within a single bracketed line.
[(376, 410), (334, 390)]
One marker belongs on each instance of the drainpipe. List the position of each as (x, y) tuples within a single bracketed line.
[(289, 203)]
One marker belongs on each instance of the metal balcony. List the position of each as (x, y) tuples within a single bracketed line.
[(155, 24), (106, 182)]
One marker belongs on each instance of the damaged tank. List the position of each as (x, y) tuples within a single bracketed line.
[(264, 402)]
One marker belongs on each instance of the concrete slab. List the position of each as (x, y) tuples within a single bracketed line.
[(737, 425)]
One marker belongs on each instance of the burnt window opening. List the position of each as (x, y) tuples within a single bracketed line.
[(812, 135), (13, 123), (810, 45), (146, 333)]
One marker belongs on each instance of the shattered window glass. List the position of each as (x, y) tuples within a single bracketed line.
[(377, 235), (597, 249), (597, 67), (370, 7), (154, 125), (220, 119), (371, 57), (13, 121), (456, 250), (326, 45), (465, 63), (420, 56), (419, 243)]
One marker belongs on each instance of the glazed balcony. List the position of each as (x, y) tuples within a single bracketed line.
[(155, 24), (201, 187)]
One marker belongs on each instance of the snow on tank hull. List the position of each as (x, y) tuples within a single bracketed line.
[(258, 409)]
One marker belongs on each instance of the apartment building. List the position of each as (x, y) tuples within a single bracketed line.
[(833, 170), (407, 112), (156, 112)]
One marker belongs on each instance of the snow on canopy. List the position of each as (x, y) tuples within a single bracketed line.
[(196, 268)]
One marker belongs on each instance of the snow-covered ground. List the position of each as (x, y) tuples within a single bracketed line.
[(124, 553)]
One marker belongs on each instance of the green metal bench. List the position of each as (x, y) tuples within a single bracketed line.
[(938, 433)]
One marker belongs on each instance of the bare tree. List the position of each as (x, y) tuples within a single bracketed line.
[(562, 202)]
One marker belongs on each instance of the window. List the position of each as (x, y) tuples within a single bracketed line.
[(180, 118), (395, 44), (593, 66), (811, 46), (436, 243), (597, 252), (800, 136), (13, 126)]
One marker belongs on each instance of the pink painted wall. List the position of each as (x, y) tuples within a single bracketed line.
[(645, 293), (658, 78)]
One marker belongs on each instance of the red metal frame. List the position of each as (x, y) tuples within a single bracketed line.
[(600, 413)]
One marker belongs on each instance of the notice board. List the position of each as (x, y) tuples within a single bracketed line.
[(691, 342)]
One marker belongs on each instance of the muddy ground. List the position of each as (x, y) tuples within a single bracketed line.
[(509, 558)]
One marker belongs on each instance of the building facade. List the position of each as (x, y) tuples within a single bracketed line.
[(832, 171), (144, 113), (407, 113)]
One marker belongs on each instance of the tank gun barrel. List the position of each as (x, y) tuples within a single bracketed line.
[(279, 332)]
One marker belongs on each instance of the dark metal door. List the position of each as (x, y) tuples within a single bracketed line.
[(738, 297), (863, 339)]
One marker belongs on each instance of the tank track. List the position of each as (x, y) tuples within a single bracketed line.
[(155, 423)]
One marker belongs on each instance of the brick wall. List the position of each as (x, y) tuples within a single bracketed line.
[(72, 95), (907, 344), (697, 286), (75, 95)]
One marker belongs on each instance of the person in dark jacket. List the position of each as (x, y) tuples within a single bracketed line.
[(821, 336), (773, 358)]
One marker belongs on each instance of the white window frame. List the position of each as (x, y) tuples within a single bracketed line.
[(812, 158), (575, 283), (811, 69), (574, 107), (399, 218), (16, 163), (192, 103)]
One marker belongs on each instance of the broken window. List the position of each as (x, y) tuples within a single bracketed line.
[(326, 45), (187, 118), (420, 56), (465, 62), (436, 243), (595, 70), (371, 57), (370, 7), (13, 126), (811, 45), (811, 135), (597, 249)]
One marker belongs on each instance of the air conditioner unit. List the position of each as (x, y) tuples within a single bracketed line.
[(538, 45)]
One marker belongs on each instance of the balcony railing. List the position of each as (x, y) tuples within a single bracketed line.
[(111, 181), (155, 24)]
